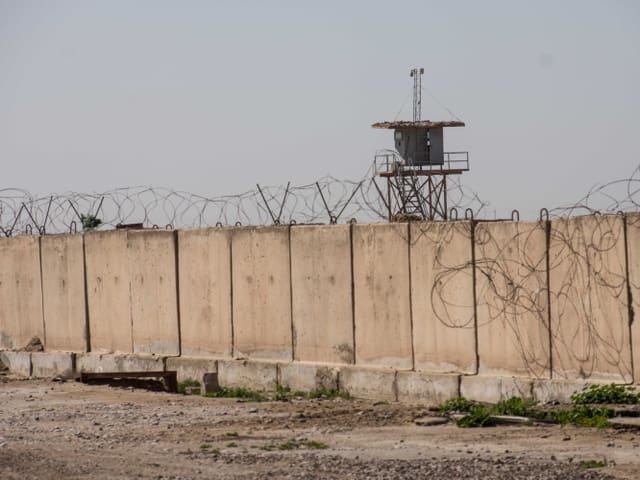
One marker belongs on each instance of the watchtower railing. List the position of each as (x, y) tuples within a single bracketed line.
[(392, 162)]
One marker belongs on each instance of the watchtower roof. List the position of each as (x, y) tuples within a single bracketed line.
[(418, 124)]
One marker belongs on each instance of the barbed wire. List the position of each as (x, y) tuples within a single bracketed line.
[(621, 195), (327, 200)]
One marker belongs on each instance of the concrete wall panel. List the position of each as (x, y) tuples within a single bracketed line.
[(633, 253), (321, 286), (512, 299), (63, 293), (261, 293), (205, 292), (381, 294), (442, 297), (590, 333), (154, 294), (20, 291), (108, 292)]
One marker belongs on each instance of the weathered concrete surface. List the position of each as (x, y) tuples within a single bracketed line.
[(321, 286), (512, 304), (18, 363), (254, 375), (261, 293), (371, 383), (381, 294), (307, 377), (427, 389), (205, 292), (154, 293), (442, 297), (633, 254), (63, 292), (191, 368), (484, 388), (590, 334), (95, 362), (545, 391), (20, 291), (50, 364), (108, 291)]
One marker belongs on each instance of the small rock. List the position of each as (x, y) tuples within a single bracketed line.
[(430, 421)]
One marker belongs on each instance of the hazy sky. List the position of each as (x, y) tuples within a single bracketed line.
[(212, 97)]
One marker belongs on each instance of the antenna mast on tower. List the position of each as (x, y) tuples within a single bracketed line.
[(416, 73)]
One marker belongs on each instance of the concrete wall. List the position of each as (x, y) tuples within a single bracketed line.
[(20, 291), (108, 292), (63, 292), (589, 304), (442, 297), (382, 308), (154, 293), (322, 294), (633, 256), (261, 293), (205, 292), (512, 299), (464, 298)]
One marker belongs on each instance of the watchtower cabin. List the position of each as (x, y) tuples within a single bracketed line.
[(416, 172)]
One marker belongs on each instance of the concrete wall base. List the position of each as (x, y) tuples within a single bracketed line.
[(50, 364), (488, 389), (307, 377), (248, 374), (546, 391), (18, 363), (427, 389), (190, 368), (96, 362), (369, 383)]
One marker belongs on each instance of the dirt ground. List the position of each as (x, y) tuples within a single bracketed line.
[(54, 430)]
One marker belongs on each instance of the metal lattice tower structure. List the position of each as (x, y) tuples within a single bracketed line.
[(416, 172)]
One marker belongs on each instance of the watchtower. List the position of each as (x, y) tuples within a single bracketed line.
[(417, 171)]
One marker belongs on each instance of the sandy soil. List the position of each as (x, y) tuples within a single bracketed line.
[(55, 430)]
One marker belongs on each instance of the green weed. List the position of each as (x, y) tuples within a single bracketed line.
[(593, 464), (477, 416), (455, 405), (285, 394), (182, 386), (294, 444), (606, 394), (513, 406), (480, 415), (245, 393)]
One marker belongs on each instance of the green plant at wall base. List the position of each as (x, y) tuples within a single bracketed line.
[(617, 394), (458, 404), (514, 406), (89, 222), (182, 386), (478, 416), (285, 394), (593, 464), (245, 393), (294, 444)]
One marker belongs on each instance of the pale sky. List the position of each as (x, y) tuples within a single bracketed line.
[(213, 97)]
